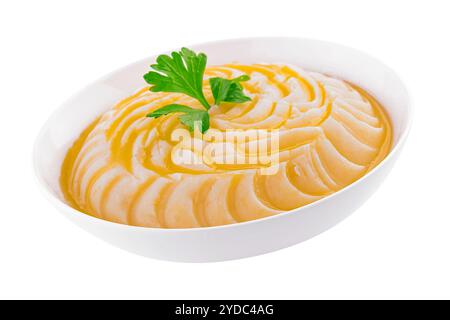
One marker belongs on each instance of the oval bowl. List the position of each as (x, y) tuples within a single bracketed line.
[(242, 239)]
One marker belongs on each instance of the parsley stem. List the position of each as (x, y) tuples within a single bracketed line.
[(203, 101)]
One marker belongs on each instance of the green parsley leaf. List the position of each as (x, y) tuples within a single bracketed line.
[(182, 72), (197, 118), (170, 108), (191, 117), (228, 90)]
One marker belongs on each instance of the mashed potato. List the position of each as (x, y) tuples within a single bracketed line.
[(122, 168)]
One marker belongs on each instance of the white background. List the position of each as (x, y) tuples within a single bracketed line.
[(396, 246)]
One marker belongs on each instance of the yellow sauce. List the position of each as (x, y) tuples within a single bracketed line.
[(331, 134)]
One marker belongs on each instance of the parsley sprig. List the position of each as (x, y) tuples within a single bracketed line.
[(182, 72)]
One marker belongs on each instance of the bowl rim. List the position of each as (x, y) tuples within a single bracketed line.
[(60, 204)]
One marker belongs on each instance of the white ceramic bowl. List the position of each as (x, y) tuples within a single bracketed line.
[(243, 239)]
